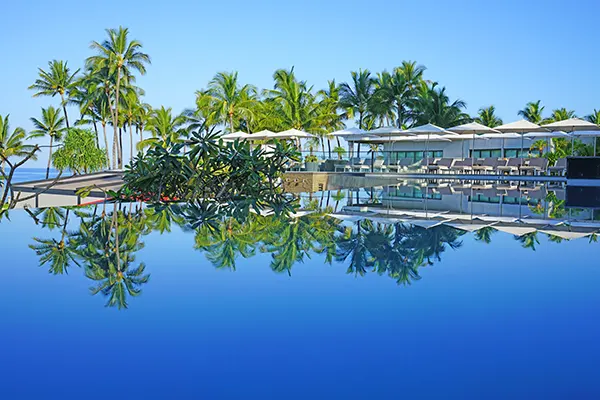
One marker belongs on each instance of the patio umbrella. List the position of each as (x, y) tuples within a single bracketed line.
[(349, 134), (236, 135), (472, 129), (573, 125), (429, 129), (521, 127)]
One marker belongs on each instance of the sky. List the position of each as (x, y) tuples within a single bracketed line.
[(486, 53)]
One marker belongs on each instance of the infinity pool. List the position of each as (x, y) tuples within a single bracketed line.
[(326, 303)]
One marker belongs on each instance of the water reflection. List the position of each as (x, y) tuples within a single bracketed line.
[(368, 231)]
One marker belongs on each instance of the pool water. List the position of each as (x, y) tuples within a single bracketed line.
[(305, 306)]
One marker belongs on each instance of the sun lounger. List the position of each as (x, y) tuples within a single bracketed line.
[(378, 165), (360, 166), (341, 166), (443, 165), (559, 168), (462, 166), (511, 167), (489, 165), (535, 166)]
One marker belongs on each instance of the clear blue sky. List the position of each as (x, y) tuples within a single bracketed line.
[(503, 53)]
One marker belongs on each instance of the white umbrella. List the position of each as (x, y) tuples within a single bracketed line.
[(347, 132), (572, 125), (472, 129), (387, 130), (521, 126), (428, 129), (235, 135), (515, 229), (290, 134)]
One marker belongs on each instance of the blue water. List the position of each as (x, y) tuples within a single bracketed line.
[(490, 321)]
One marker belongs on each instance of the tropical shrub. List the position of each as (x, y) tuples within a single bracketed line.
[(207, 168), (79, 153)]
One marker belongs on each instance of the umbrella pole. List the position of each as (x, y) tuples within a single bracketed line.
[(522, 138), (595, 143), (572, 146), (427, 150), (472, 151)]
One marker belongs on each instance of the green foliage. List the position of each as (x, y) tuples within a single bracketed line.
[(311, 158), (340, 151), (209, 169), (79, 153)]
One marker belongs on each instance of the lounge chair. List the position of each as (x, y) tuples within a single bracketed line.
[(535, 166), (462, 166), (395, 167), (489, 165), (444, 164), (378, 165), (560, 168), (362, 166), (511, 167), (353, 161), (342, 164)]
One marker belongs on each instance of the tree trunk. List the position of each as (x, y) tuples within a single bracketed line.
[(114, 151), (130, 144), (329, 147), (96, 130), (105, 143), (323, 146), (116, 114), (64, 107), (49, 157), (230, 122), (120, 148)]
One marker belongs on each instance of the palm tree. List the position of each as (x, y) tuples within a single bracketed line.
[(58, 80), (330, 107), (561, 114), (59, 253), (231, 100), (118, 55), (51, 125), (486, 116), (397, 92), (355, 97), (594, 117), (164, 127), (434, 106), (485, 234), (528, 240), (533, 112), (12, 143)]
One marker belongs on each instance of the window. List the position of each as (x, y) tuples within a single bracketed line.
[(414, 193), (515, 153), (491, 153), (415, 156)]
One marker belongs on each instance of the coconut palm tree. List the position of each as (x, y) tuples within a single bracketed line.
[(561, 114), (434, 106), (594, 117), (50, 125), (119, 56), (533, 112), (231, 100), (58, 253), (355, 96), (528, 240), (485, 234), (164, 127), (397, 92), (57, 80), (12, 143), (487, 116)]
